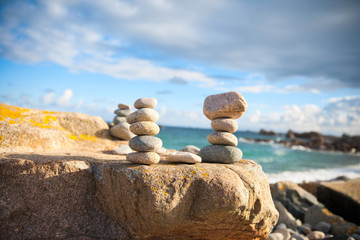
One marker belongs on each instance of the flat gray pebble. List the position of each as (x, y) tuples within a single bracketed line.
[(220, 154)]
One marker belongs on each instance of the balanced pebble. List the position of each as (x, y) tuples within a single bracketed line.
[(183, 157), (122, 112), (143, 157), (121, 131), (143, 114), (220, 154), (118, 120), (145, 103), (144, 128), (224, 125), (191, 149), (122, 150), (315, 235), (123, 106), (223, 138), (228, 105), (145, 143)]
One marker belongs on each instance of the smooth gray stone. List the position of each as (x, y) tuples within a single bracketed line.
[(145, 143), (122, 150), (191, 149), (118, 120), (122, 112), (220, 154)]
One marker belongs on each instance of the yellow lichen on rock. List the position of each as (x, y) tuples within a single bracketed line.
[(36, 130)]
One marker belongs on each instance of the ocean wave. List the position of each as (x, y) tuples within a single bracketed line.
[(352, 171), (300, 147)]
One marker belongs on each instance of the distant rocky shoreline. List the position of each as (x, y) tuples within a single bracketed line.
[(314, 140)]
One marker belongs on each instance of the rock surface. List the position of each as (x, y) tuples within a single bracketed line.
[(200, 201), (44, 196), (31, 130), (341, 197), (318, 213), (220, 154), (56, 197), (295, 199), (224, 105)]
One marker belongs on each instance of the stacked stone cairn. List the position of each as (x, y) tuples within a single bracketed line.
[(222, 109), (143, 124), (121, 128)]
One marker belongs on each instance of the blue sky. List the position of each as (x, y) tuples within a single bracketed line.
[(295, 62)]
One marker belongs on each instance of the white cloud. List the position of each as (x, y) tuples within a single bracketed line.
[(337, 117), (64, 100), (48, 98)]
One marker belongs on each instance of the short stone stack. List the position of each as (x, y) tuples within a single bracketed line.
[(143, 124), (121, 128), (222, 109)]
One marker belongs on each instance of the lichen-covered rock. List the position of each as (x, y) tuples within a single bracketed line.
[(200, 201), (295, 199), (30, 130), (319, 213)]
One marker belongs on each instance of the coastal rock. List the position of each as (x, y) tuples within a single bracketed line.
[(30, 130), (295, 199), (124, 106), (183, 157), (318, 213), (224, 105), (285, 217), (143, 114), (145, 103), (144, 128), (52, 196), (191, 149), (143, 157), (322, 227), (145, 143), (341, 197), (224, 125), (122, 112), (122, 150), (118, 120), (207, 201), (220, 154), (121, 131), (223, 138)]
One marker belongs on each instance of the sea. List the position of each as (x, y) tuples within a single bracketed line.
[(280, 163)]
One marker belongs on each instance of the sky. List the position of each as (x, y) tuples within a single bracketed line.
[(297, 63)]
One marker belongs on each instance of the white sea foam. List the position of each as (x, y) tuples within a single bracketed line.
[(300, 147), (352, 171)]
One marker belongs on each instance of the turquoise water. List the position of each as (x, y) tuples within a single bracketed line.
[(277, 161)]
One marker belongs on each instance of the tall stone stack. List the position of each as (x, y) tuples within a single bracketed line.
[(143, 124), (222, 109), (121, 128)]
